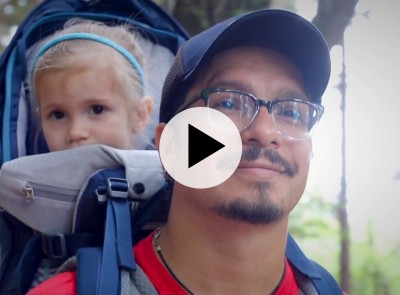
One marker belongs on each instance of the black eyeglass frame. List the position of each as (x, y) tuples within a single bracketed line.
[(206, 92)]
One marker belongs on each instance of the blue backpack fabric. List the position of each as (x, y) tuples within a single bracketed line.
[(50, 15), (21, 247), (322, 281)]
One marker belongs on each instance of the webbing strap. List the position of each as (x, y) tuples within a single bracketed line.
[(99, 270), (109, 282), (65, 245), (88, 270), (122, 219)]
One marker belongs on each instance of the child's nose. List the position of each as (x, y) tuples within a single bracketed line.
[(78, 131)]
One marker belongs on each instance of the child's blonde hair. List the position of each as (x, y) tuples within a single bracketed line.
[(76, 51)]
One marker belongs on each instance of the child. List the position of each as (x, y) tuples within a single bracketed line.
[(88, 84)]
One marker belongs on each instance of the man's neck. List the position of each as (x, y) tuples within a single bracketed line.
[(218, 256)]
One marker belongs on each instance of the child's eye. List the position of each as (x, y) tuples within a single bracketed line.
[(96, 109), (57, 115)]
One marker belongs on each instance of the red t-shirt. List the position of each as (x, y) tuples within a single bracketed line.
[(166, 285), (64, 283)]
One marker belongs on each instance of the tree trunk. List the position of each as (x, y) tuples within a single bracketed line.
[(332, 19), (345, 273)]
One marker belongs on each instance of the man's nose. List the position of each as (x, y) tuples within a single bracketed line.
[(262, 131)]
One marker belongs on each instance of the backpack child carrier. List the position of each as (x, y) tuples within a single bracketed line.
[(47, 213), (93, 207)]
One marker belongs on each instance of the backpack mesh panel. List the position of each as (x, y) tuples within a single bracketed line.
[(172, 93)]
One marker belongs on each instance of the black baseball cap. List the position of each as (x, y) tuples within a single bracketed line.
[(285, 32)]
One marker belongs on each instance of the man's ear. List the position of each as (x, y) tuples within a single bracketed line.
[(143, 111), (159, 130)]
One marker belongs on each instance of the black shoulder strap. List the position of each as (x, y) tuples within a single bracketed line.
[(322, 280), (19, 255), (326, 284)]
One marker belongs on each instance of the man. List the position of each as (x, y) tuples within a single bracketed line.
[(271, 67), (267, 70)]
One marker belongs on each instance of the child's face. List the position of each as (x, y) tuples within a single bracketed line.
[(80, 107)]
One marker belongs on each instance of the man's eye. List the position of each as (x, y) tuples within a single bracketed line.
[(224, 104), (97, 109), (291, 115), (57, 115)]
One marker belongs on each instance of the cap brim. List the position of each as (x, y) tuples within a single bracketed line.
[(283, 31)]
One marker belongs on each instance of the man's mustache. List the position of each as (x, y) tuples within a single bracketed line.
[(250, 154)]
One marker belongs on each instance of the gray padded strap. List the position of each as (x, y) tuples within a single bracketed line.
[(305, 284), (140, 284), (132, 283), (68, 265), (126, 287)]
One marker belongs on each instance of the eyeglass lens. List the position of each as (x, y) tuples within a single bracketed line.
[(291, 117)]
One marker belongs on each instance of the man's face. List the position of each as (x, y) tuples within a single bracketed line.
[(272, 174)]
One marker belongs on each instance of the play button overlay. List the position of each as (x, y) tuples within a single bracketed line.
[(200, 147)]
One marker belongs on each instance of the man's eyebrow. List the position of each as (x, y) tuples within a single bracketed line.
[(239, 85), (229, 84), (291, 94)]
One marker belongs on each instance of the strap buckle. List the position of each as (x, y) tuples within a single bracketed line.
[(54, 246), (117, 187)]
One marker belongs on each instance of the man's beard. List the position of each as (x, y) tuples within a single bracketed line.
[(257, 208)]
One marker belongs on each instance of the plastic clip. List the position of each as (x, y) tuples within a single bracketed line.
[(54, 246), (117, 187)]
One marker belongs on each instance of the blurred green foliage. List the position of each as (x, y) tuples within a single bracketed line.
[(11, 14), (375, 262)]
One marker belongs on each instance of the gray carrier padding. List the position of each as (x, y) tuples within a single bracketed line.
[(139, 284), (132, 282), (42, 190)]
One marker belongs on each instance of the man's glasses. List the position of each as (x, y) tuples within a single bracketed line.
[(293, 118)]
